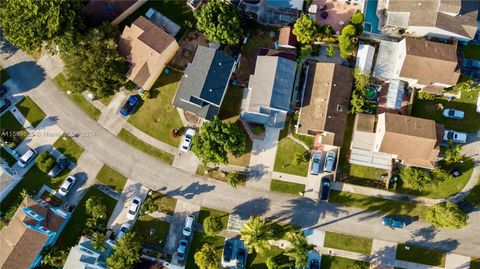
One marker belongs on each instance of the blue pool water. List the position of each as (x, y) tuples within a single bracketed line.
[(371, 19)]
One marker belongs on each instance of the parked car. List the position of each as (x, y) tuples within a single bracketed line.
[(452, 113), (457, 137), (241, 258), (134, 208), (130, 105), (67, 185), (314, 264), (4, 104), (3, 90), (182, 249), (329, 162), (188, 228), (123, 230), (187, 139), (325, 183), (393, 222), (316, 164), (228, 251), (26, 158), (58, 167)]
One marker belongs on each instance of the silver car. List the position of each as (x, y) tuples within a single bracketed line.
[(453, 114), (316, 167), (329, 165)]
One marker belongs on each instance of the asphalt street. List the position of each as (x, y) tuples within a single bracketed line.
[(172, 181)]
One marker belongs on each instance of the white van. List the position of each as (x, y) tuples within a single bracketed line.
[(189, 222), (27, 157)]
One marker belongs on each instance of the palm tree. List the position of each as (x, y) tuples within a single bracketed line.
[(233, 179), (299, 250), (255, 234), (453, 152), (98, 241)]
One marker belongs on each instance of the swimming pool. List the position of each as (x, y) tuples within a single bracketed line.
[(371, 19)]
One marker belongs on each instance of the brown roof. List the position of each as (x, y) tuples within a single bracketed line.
[(437, 90), (414, 140), (365, 122), (326, 99), (430, 62), (148, 47), (286, 37), (98, 11)]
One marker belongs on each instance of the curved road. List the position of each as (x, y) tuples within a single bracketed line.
[(156, 175)]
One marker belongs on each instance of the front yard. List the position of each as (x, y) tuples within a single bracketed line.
[(203, 170), (258, 260), (31, 111), (156, 116), (111, 178), (286, 187), (151, 230), (10, 123), (420, 255), (348, 242), (332, 262), (199, 239), (208, 212), (7, 157), (68, 147), (145, 147), (286, 150), (165, 203)]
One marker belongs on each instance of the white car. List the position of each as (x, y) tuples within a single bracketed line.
[(67, 185), (188, 228), (134, 208), (456, 137), (453, 114), (123, 230), (187, 139), (27, 157)]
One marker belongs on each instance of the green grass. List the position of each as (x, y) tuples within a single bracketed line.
[(9, 122), (31, 111), (74, 229), (142, 228), (475, 263), (331, 262), (208, 212), (106, 100), (77, 97), (348, 242), (166, 204), (308, 140), (420, 255), (198, 240), (286, 187), (474, 196), (68, 147), (203, 170), (3, 75), (376, 204), (7, 157), (286, 150), (257, 261), (111, 178), (156, 116), (471, 51), (145, 147)]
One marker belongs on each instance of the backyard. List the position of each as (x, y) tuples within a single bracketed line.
[(69, 148), (286, 187), (145, 147), (156, 116), (420, 255), (111, 178), (31, 111), (151, 230), (348, 242)]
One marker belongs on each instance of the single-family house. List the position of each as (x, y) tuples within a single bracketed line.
[(326, 97), (268, 96), (148, 48), (205, 82), (378, 140), (273, 12), (85, 256), (114, 11), (434, 18), (286, 39), (422, 63), (34, 226)]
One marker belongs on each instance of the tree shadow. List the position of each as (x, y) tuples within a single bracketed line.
[(28, 75), (255, 207), (196, 188), (6, 47)]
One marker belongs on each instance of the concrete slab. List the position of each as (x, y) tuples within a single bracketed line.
[(85, 172), (383, 252), (455, 261), (110, 118), (182, 210), (315, 236), (187, 161)]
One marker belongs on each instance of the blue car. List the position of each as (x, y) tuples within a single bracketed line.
[(392, 222), (130, 105), (325, 188)]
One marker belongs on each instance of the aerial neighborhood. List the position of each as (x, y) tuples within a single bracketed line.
[(333, 134)]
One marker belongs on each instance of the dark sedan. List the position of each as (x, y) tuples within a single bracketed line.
[(325, 184), (130, 105)]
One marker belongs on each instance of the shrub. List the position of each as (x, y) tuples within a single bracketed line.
[(305, 29), (425, 96), (45, 161), (327, 30), (233, 179), (331, 51), (357, 18), (212, 225), (271, 264), (447, 215), (346, 40)]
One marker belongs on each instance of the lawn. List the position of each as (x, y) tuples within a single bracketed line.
[(143, 226), (145, 147), (166, 204), (475, 263), (7, 157), (471, 51), (156, 116), (68, 147), (286, 150), (257, 261), (207, 212), (474, 196), (3, 75), (376, 204), (364, 175), (106, 99), (74, 229), (31, 111), (203, 170), (420, 255), (77, 97), (331, 262), (470, 123), (9, 122), (348, 242), (286, 187), (111, 178), (199, 239)]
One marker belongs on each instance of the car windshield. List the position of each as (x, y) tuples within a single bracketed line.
[(316, 160), (450, 135), (451, 112)]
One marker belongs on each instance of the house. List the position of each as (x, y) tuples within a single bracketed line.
[(204, 84), (364, 59), (376, 141), (268, 96), (148, 48), (286, 39), (326, 97), (272, 12), (114, 11), (434, 18), (34, 226), (194, 4), (421, 63), (85, 256)]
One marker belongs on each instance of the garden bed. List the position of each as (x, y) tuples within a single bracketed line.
[(51, 199)]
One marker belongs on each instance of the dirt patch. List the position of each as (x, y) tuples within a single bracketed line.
[(188, 44)]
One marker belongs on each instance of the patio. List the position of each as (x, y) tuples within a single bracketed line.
[(339, 12)]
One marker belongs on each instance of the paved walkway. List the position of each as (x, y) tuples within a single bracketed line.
[(85, 172), (110, 118), (52, 64)]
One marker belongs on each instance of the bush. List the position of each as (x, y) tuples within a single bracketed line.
[(447, 215), (45, 161), (271, 264), (212, 225), (331, 51), (305, 51), (419, 179), (258, 129), (357, 18), (346, 40), (426, 96), (233, 179), (327, 30)]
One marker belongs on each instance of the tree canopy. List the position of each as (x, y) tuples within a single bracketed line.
[(419, 179), (357, 18), (220, 22), (212, 225), (306, 30), (255, 234), (216, 139), (299, 250), (28, 23), (453, 153), (96, 208), (346, 40), (126, 252), (206, 258), (447, 215), (359, 98)]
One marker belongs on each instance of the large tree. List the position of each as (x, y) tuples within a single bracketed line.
[(94, 63), (126, 253), (255, 234), (299, 249), (220, 22), (206, 258), (96, 208), (346, 41), (306, 30), (28, 23), (447, 215), (453, 153), (216, 139)]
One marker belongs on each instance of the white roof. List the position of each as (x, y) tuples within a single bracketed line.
[(364, 59), (395, 94), (388, 58)]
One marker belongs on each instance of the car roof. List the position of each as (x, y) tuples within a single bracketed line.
[(27, 155)]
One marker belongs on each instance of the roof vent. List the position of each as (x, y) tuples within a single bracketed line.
[(210, 90), (334, 84), (186, 75), (220, 63)]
